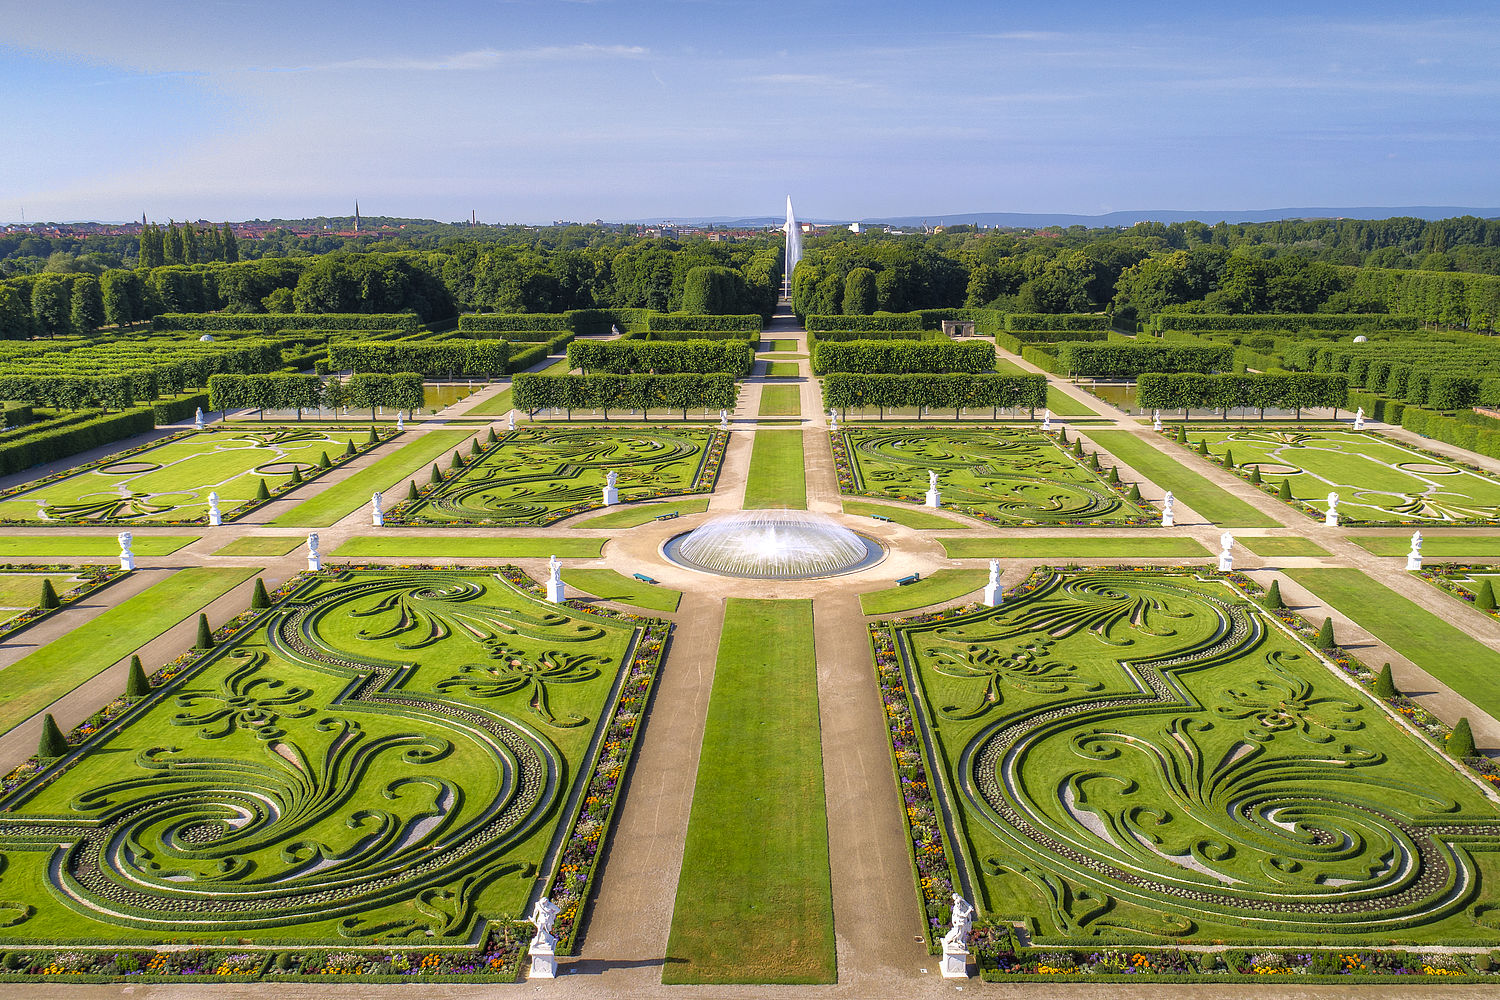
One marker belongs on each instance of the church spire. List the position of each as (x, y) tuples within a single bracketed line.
[(356, 215)]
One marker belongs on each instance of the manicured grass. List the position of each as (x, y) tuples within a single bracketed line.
[(264, 545), (781, 401), (1186, 485), (1282, 546), (1461, 662), (755, 900), (66, 546), (779, 344), (607, 585), (635, 514), (944, 585), (904, 516), (1063, 405), (1433, 546), (1073, 548), (343, 499), (497, 405), (783, 369), (36, 681), (452, 547), (783, 357), (777, 477), (24, 590)]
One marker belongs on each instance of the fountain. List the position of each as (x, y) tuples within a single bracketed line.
[(774, 545)]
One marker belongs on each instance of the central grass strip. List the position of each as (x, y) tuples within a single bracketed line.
[(781, 401), (451, 547), (777, 478), (783, 369), (607, 585), (944, 585), (1433, 546), (1186, 485), (778, 344), (634, 514), (68, 546), (496, 406), (36, 681), (263, 545), (904, 515), (1462, 663), (1279, 546), (343, 499), (755, 899), (1072, 548)]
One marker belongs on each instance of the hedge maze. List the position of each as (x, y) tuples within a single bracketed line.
[(169, 482), (1379, 482), (1139, 756), (537, 476), (384, 756), (1005, 475)]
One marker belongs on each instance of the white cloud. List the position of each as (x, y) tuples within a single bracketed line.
[(477, 59)]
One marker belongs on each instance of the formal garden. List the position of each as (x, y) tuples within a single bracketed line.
[(1003, 475), (540, 475)]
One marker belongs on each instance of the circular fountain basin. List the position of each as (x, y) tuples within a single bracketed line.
[(774, 545)]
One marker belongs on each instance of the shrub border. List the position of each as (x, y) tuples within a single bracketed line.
[(96, 577)]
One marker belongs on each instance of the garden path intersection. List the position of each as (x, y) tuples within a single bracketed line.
[(973, 675)]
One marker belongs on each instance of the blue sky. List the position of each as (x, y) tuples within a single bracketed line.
[(533, 110)]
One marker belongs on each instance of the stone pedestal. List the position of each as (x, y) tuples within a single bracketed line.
[(611, 496), (956, 963), (1167, 520), (555, 591), (1413, 562), (1226, 562), (543, 962), (993, 595), (1331, 519), (127, 561), (933, 500)]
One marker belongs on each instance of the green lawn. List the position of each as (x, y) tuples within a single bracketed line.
[(21, 591), (343, 499), (1282, 546), (777, 477), (608, 585), (781, 401), (755, 900), (398, 545), (1072, 548), (1186, 485), (633, 514), (1448, 653), (911, 518), (944, 585), (263, 545), (1433, 546), (1063, 405), (497, 405), (783, 369), (779, 344), (67, 546), (37, 680)]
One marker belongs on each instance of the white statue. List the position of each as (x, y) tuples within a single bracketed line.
[(611, 492), (1331, 519), (198, 419), (934, 499), (1359, 419), (377, 513), (614, 331), (833, 418), (400, 424), (1047, 421), (993, 596), (1167, 520), (215, 517), (1414, 557), (314, 561), (554, 580), (611, 478), (511, 424), (1226, 553), (1156, 420), (127, 557), (544, 943), (723, 420), (956, 941)]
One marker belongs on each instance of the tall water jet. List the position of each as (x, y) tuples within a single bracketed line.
[(793, 245), (774, 545)]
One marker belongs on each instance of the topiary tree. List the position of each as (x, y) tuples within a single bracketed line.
[(374, 437), (1484, 600), (1203, 446), (1325, 635), (490, 438), (205, 634), (296, 475), (1273, 597), (53, 743), (1228, 458), (1255, 474), (349, 450), (1460, 741), (1114, 476), (1285, 493), (1094, 461), (1385, 684), (1182, 434), (259, 599), (136, 684), (474, 448), (1062, 435), (437, 474), (1078, 447), (261, 493), (323, 460), (1134, 496), (48, 600), (457, 463), (411, 489)]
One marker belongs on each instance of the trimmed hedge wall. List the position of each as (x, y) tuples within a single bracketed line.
[(537, 353), (1114, 360), (535, 391), (879, 321), (272, 322), (843, 390), (70, 392), (53, 445), (1281, 321), (1290, 391), (631, 357), (1041, 357), (439, 358), (1058, 321), (746, 323), (171, 411), (748, 336), (835, 336), (1472, 431), (897, 357)]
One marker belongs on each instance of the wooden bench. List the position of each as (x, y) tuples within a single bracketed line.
[(908, 579), (643, 577), (880, 517), (667, 516)]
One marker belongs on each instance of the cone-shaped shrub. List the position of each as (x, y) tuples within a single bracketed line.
[(457, 463), (1062, 435), (1325, 635), (1255, 474), (53, 743), (323, 460), (1484, 600), (1135, 493), (296, 474), (373, 438), (205, 634), (1228, 458), (1285, 493), (490, 438), (437, 474), (1094, 461), (48, 599), (349, 451), (1273, 597), (474, 447), (136, 684), (1385, 684), (411, 490), (1203, 446), (1078, 447), (259, 598), (1182, 433), (1460, 741), (1114, 476), (261, 493)]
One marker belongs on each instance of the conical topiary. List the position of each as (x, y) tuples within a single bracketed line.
[(1114, 476), (1325, 635), (1255, 474), (261, 493), (1385, 684), (1460, 741), (1182, 433), (474, 447), (1228, 458), (324, 462), (411, 490), (349, 450), (1273, 597), (437, 474), (205, 634), (1094, 461), (1078, 447), (1203, 446), (48, 599), (258, 597), (1484, 600), (1285, 493), (53, 743), (136, 684), (1135, 493), (457, 463), (373, 438), (296, 474), (1062, 435)]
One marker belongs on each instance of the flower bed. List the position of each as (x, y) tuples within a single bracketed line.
[(95, 578)]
